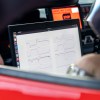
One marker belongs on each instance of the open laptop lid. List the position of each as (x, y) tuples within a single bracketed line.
[(48, 47)]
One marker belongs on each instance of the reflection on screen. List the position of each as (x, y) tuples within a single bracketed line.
[(66, 13)]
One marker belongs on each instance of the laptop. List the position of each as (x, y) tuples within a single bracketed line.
[(46, 47)]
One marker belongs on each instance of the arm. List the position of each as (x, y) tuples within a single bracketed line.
[(91, 64), (1, 61)]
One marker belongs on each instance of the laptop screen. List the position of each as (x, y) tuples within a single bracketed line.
[(66, 13), (48, 47)]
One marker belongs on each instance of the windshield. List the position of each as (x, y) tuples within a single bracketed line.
[(86, 1)]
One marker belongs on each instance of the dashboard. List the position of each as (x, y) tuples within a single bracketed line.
[(90, 43)]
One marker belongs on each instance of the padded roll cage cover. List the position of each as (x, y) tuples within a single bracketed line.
[(94, 17)]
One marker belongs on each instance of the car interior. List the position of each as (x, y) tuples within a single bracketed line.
[(39, 42), (90, 43), (52, 12), (89, 40)]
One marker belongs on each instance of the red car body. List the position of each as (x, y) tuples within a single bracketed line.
[(14, 86)]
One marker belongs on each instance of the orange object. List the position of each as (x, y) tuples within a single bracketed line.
[(66, 13)]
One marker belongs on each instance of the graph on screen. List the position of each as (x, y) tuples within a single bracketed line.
[(50, 51)]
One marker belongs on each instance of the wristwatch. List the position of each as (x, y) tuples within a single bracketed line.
[(76, 71)]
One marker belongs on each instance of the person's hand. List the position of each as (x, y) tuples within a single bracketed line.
[(91, 64), (1, 61)]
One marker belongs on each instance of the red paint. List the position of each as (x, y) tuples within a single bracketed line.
[(21, 89)]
